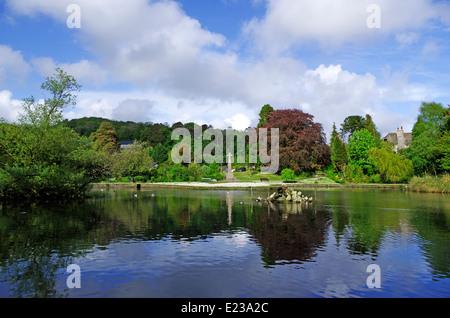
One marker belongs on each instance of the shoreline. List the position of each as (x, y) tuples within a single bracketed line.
[(239, 185)]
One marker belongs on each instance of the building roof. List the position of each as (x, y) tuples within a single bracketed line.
[(392, 137)]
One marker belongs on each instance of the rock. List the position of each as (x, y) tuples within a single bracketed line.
[(272, 197)]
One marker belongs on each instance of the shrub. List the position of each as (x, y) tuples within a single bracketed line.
[(354, 173), (287, 174), (178, 173), (194, 171), (141, 179)]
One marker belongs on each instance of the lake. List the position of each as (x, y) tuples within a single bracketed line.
[(223, 243)]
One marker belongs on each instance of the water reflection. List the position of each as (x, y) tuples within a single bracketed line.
[(289, 233), (38, 242)]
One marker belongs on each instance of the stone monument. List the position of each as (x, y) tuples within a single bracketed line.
[(230, 176)]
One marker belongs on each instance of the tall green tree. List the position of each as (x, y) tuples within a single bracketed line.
[(352, 124), (359, 145), (106, 138), (428, 149), (264, 115), (159, 153), (338, 151), (372, 128), (440, 153), (431, 118)]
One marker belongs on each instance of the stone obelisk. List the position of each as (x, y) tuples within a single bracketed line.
[(230, 176)]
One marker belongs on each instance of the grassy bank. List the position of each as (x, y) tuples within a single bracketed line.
[(436, 184)]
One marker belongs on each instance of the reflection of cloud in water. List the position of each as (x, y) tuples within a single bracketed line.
[(235, 239)]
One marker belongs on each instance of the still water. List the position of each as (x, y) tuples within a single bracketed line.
[(221, 243)]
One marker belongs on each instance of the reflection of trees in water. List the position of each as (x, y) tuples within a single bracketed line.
[(36, 247), (289, 232), (362, 219), (37, 244)]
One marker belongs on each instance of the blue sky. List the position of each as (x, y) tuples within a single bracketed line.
[(220, 61)]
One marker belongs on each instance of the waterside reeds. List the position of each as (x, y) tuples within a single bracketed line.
[(435, 184)]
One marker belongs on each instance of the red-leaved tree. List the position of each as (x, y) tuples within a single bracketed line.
[(303, 146)]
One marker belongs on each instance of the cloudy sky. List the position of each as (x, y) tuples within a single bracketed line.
[(219, 61)]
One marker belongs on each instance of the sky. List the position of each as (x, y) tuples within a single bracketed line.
[(219, 61)]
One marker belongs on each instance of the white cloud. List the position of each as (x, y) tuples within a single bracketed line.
[(12, 65), (238, 121), (431, 49), (140, 41), (136, 110), (407, 38), (331, 23), (84, 71), (9, 107)]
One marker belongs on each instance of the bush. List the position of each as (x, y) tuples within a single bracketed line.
[(214, 172), (160, 174), (205, 171), (141, 179), (287, 174), (178, 173), (194, 171), (376, 178), (354, 173)]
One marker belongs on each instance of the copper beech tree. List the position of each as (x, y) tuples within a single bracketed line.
[(302, 142)]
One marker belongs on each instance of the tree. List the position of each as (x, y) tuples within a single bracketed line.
[(302, 142), (338, 151), (156, 134), (431, 118), (106, 138), (50, 112), (359, 144), (159, 153), (419, 152), (440, 153), (264, 114), (370, 126), (131, 162), (352, 124), (392, 167), (41, 158), (428, 148)]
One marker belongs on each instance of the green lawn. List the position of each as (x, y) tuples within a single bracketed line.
[(251, 176)]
